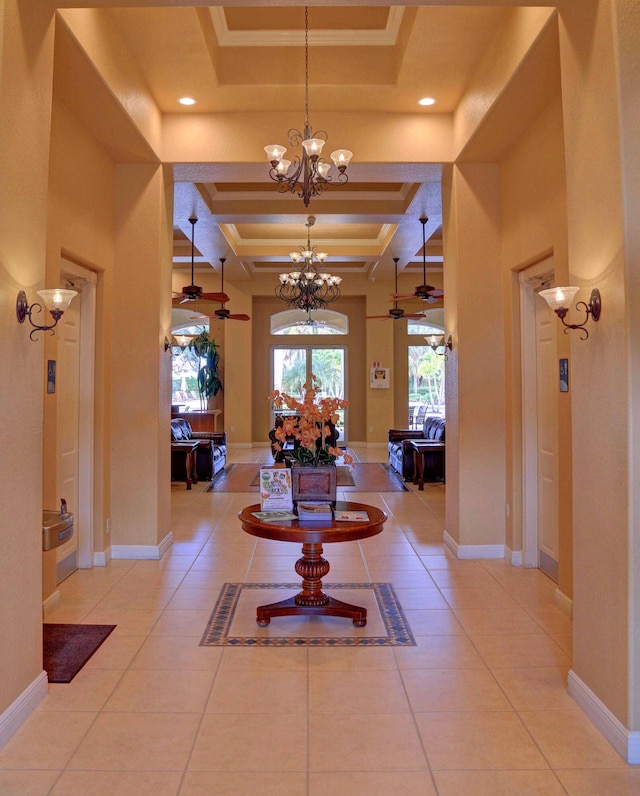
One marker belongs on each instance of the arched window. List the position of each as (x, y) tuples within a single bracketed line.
[(314, 322)]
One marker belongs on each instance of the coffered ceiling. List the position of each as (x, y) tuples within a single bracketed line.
[(374, 62)]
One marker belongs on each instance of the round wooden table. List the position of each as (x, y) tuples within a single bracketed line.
[(312, 567)]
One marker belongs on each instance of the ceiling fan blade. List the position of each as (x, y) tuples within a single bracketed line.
[(436, 293), (221, 297), (418, 317), (184, 299), (240, 317), (372, 317), (405, 298)]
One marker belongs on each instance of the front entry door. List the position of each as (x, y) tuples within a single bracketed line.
[(291, 368)]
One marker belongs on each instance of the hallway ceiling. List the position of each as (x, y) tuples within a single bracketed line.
[(376, 60)]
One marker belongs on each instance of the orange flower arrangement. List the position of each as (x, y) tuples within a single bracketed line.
[(310, 424)]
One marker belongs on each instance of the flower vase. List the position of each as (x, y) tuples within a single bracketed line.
[(317, 483)]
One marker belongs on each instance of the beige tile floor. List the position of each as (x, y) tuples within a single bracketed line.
[(477, 708)]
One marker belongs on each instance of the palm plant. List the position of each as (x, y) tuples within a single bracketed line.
[(209, 382)]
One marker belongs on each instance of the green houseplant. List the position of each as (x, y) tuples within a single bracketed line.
[(209, 382)]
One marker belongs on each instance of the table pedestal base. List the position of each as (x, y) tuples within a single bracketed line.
[(312, 601)]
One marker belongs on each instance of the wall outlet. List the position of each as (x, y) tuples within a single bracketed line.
[(371, 428), (107, 527), (507, 509), (233, 428)]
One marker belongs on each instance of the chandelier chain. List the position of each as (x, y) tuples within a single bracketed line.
[(306, 65), (308, 173)]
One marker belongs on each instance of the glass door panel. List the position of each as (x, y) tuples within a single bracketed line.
[(292, 368), (426, 384)]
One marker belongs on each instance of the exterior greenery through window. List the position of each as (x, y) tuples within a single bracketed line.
[(292, 368), (426, 375), (186, 366)]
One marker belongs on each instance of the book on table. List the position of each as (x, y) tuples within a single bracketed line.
[(312, 511), (350, 516), (275, 489), (274, 516)]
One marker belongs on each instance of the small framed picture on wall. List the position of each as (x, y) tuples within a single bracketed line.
[(379, 378)]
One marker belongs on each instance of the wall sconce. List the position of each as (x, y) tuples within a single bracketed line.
[(167, 343), (561, 298), (56, 300), (437, 341), (183, 340)]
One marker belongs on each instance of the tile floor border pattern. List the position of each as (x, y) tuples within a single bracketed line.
[(398, 631)]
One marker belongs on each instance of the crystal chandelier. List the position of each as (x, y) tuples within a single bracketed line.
[(305, 288), (309, 173)]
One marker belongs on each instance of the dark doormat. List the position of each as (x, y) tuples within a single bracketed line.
[(66, 648)]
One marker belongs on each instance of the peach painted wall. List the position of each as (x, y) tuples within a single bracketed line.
[(475, 377), (601, 409), (80, 227), (26, 78), (627, 31), (534, 226), (141, 373)]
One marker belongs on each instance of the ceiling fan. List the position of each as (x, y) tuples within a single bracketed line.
[(396, 313), (223, 314), (194, 292), (425, 292)]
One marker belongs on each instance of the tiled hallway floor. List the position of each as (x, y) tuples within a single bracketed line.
[(478, 706)]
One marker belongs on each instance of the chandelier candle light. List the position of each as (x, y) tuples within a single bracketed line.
[(305, 288), (310, 172)]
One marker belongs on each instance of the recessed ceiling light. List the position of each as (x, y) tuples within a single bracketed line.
[(427, 101), (187, 101)]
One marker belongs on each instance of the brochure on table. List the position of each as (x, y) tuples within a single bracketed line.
[(275, 489)]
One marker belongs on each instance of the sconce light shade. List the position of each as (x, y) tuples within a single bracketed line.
[(560, 300), (56, 300), (183, 340), (437, 341)]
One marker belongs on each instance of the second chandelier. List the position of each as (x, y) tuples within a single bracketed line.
[(305, 288)]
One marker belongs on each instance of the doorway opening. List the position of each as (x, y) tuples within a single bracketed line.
[(291, 368), (75, 385), (539, 422)]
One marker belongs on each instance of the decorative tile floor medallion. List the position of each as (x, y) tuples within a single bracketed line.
[(385, 620)]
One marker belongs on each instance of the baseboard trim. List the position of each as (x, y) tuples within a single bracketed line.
[(22, 707), (468, 551), (102, 558), (51, 603), (142, 552), (516, 557), (564, 603), (625, 742)]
